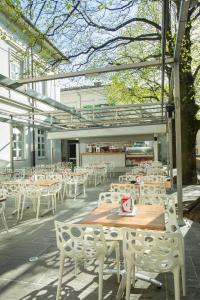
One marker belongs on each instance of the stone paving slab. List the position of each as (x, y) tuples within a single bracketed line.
[(21, 279)]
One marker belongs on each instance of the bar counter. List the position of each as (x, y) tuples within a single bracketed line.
[(118, 158)]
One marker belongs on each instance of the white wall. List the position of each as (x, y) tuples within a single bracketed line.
[(18, 42), (4, 144)]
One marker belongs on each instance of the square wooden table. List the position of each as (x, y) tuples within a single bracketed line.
[(147, 217)]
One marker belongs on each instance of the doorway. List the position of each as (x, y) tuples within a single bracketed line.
[(72, 152)]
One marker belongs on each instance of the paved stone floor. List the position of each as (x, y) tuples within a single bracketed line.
[(22, 279)]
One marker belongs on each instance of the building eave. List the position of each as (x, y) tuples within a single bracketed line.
[(21, 21)]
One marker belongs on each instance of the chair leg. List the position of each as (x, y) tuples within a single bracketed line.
[(128, 279), (38, 208), (75, 191), (100, 292), (54, 199), (18, 207), (183, 280), (22, 209), (4, 221), (63, 193), (84, 190), (76, 267), (62, 262), (176, 273), (34, 201), (117, 254)]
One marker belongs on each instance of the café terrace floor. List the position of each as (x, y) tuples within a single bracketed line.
[(21, 279)]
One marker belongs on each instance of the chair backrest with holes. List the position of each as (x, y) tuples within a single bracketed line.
[(3, 195), (112, 197), (39, 176), (153, 178), (125, 178), (137, 170), (155, 171), (68, 235), (12, 188), (148, 188), (126, 188), (54, 176), (153, 251), (170, 216), (151, 199)]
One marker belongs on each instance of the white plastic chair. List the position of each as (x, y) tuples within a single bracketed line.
[(126, 188), (30, 192), (151, 188), (39, 177), (171, 221), (156, 163), (153, 178), (80, 243), (50, 194), (19, 174), (112, 197), (137, 170), (59, 186), (155, 171), (14, 190), (75, 180), (154, 251), (3, 196), (125, 178), (159, 199)]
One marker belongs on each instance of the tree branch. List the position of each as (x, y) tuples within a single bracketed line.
[(142, 37), (196, 71), (112, 29)]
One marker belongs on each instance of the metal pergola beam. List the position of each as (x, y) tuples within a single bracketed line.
[(137, 65), (11, 84), (17, 104)]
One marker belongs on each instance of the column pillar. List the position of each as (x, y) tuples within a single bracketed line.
[(11, 145), (178, 142)]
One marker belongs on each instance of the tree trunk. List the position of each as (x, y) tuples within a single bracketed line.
[(189, 110)]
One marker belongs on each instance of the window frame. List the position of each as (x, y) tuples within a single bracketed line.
[(41, 145), (16, 142), (17, 60)]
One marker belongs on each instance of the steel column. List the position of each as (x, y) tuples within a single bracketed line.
[(178, 142), (51, 146), (170, 152), (11, 145)]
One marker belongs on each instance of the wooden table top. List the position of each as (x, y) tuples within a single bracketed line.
[(167, 184), (147, 217), (39, 182), (45, 182)]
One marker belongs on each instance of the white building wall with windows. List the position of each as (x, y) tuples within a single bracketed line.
[(12, 65), (83, 97)]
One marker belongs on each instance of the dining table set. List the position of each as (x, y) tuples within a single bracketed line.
[(136, 220), (49, 185)]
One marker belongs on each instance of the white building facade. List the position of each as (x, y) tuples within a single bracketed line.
[(84, 96), (24, 144)]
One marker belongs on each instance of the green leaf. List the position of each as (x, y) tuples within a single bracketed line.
[(68, 6)]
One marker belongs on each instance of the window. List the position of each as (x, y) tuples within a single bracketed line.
[(41, 143), (18, 143), (16, 68)]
